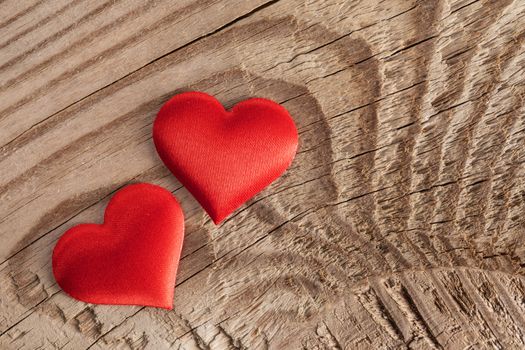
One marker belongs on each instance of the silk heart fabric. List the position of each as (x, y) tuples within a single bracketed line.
[(224, 157), (132, 258)]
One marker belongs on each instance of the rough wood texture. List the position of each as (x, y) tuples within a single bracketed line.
[(399, 225)]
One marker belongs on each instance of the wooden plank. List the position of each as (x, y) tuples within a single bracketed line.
[(398, 224), (93, 44)]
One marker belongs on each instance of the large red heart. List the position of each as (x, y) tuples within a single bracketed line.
[(132, 258), (224, 157)]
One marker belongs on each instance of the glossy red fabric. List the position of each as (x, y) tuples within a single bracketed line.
[(132, 258), (224, 157)]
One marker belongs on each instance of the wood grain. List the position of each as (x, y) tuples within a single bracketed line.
[(399, 225)]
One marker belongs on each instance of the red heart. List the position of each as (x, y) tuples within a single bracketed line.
[(224, 157), (132, 258)]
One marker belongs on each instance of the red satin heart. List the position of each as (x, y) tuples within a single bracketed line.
[(132, 258), (224, 157)]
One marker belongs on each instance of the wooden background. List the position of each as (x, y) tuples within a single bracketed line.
[(399, 225)]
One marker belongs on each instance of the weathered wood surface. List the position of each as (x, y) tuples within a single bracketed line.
[(399, 224)]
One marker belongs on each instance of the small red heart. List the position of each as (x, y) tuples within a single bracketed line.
[(132, 258), (224, 157)]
